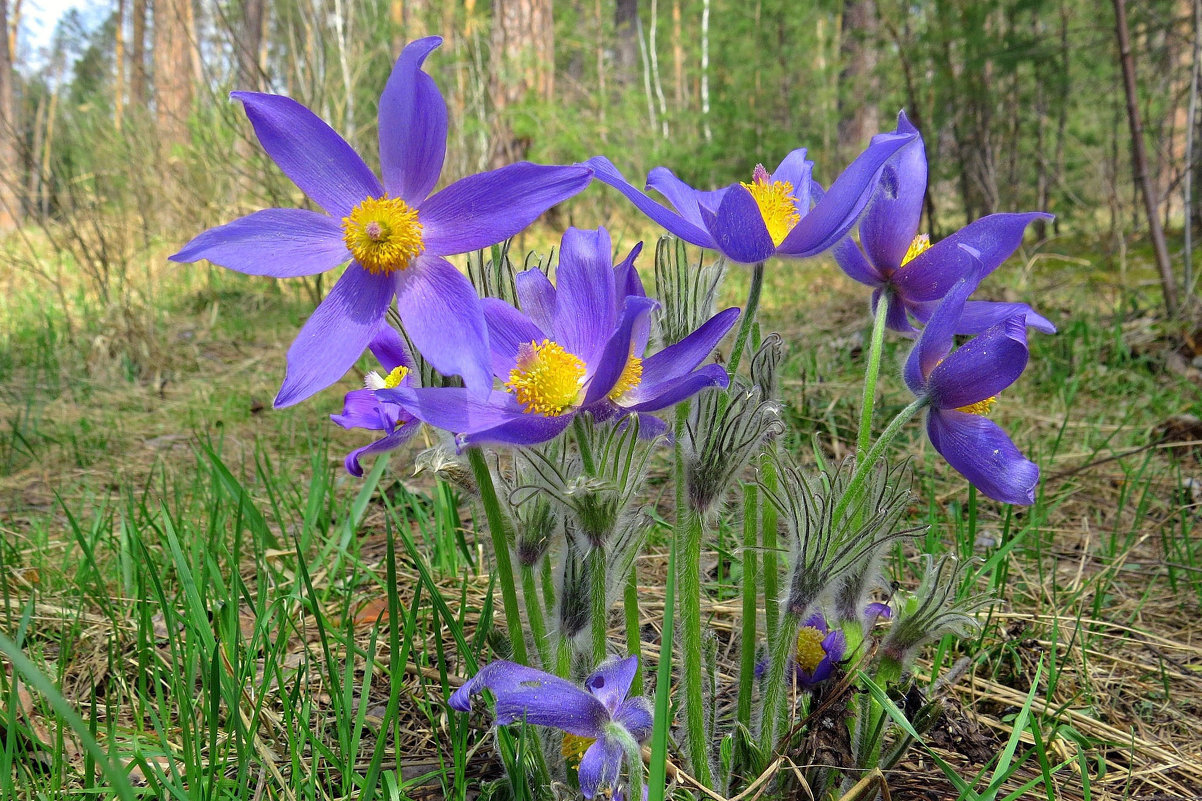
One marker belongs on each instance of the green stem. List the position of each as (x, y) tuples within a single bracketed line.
[(749, 312), (864, 467), (870, 377), (534, 611), (769, 546), (634, 640), (750, 607), (498, 529), (586, 452), (599, 607), (776, 688)]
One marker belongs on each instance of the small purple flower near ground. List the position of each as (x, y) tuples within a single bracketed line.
[(600, 711), (395, 233), (962, 385), (893, 258)]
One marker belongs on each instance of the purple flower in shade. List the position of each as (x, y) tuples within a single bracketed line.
[(819, 649), (892, 257), (771, 215), (576, 346), (363, 409), (601, 711), (960, 388), (395, 234)]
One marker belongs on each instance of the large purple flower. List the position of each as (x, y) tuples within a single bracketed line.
[(961, 387), (781, 213), (362, 408), (601, 711), (395, 233), (578, 346), (893, 258)]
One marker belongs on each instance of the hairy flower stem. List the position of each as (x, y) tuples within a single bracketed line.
[(500, 543), (598, 607), (777, 686), (634, 640), (749, 312), (688, 595), (768, 545), (871, 374), (750, 605), (586, 452), (534, 612), (863, 468)]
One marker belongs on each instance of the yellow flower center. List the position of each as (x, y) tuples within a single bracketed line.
[(394, 379), (809, 648), (917, 247), (573, 748), (547, 379), (980, 407), (383, 234), (775, 199), (631, 375)]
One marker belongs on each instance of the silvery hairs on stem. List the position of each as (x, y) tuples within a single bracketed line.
[(537, 524), (495, 277), (448, 466), (686, 292), (824, 550), (765, 364), (725, 430), (932, 611)]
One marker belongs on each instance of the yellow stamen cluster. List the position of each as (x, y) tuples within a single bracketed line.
[(631, 375), (394, 379), (980, 407), (573, 748), (775, 199), (547, 379), (918, 246), (383, 234), (809, 648)]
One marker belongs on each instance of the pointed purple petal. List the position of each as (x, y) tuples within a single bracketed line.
[(523, 429), (689, 231), (738, 227), (682, 196), (876, 610), (797, 170), (892, 216), (851, 260), (636, 717), (669, 393), (536, 296), (600, 766), (585, 306), (318, 160), (611, 361), (835, 644), (897, 318), (508, 331), (981, 314), (675, 360), (388, 346), (982, 367), (391, 442), (626, 276), (335, 335), (487, 208), (282, 243), (935, 341), (610, 682), (525, 693), (443, 317), (413, 126), (360, 409), (979, 449), (454, 409)]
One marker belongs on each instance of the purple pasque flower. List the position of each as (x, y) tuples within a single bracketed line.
[(395, 233), (783, 213), (961, 386), (578, 345), (819, 649), (600, 711), (893, 258), (362, 408)]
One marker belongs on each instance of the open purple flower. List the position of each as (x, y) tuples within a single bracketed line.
[(819, 649), (578, 346), (961, 387), (362, 408), (601, 711), (892, 257), (395, 233), (771, 215)]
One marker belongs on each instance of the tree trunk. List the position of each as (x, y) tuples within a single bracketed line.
[(626, 42), (859, 85), (10, 198), (1139, 160), (173, 65), (522, 66), (138, 84), (249, 44)]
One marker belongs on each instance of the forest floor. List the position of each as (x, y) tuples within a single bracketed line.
[(153, 506)]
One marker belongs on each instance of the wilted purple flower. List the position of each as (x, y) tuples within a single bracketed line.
[(961, 387), (601, 711), (394, 233), (578, 346), (363, 409), (893, 258), (771, 215)]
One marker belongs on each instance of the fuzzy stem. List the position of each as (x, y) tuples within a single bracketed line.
[(776, 687), (865, 467), (634, 640), (769, 547), (500, 543), (586, 452), (534, 611), (749, 312), (750, 607), (871, 374), (598, 605)]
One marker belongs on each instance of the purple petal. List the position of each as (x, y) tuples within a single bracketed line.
[(318, 160), (585, 307), (892, 216), (738, 227), (360, 409), (282, 243), (981, 314), (851, 260), (897, 317), (454, 409), (676, 360), (525, 693), (992, 239), (817, 621), (796, 169), (443, 317), (508, 331), (840, 206), (875, 610), (484, 209), (979, 449), (520, 430), (936, 339), (536, 296), (669, 393), (835, 644), (388, 346), (689, 230), (391, 442), (682, 196), (612, 360), (413, 126), (335, 334), (626, 276), (610, 682), (600, 766), (980, 368), (636, 717)]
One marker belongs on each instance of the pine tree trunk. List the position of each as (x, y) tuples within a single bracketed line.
[(522, 66), (139, 97), (859, 85), (173, 66), (10, 179), (626, 43)]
